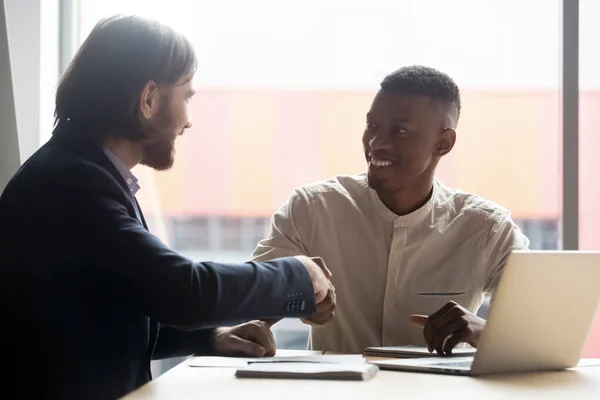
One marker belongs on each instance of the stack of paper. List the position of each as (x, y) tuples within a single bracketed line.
[(412, 352), (294, 370), (344, 367)]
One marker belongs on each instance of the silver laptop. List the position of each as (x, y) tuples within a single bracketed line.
[(540, 318)]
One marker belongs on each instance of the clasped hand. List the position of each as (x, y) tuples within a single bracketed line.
[(323, 290)]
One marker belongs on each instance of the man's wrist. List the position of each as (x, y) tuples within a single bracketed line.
[(214, 333), (477, 332)]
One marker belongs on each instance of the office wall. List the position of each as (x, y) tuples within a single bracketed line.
[(9, 145), (34, 50), (23, 23)]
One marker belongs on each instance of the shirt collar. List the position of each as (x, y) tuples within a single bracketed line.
[(405, 220), (130, 179)]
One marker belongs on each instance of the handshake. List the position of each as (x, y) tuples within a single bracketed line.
[(323, 289)]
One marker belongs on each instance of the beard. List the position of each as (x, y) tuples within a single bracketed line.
[(159, 154), (158, 150)]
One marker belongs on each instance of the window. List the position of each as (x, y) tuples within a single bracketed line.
[(283, 88), (286, 109), (191, 233), (589, 141)]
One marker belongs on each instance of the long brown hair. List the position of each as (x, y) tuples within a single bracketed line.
[(99, 93)]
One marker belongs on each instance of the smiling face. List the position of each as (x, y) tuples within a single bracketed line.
[(404, 138), (168, 120)]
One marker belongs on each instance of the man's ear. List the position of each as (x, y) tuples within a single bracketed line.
[(445, 142), (149, 101)]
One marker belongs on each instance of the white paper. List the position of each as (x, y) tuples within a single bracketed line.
[(217, 362), (589, 362), (237, 362)]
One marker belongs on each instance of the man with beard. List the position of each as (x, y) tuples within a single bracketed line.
[(90, 297), (412, 259)]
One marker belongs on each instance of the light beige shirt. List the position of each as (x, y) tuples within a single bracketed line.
[(386, 267)]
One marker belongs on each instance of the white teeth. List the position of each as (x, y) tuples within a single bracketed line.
[(381, 163)]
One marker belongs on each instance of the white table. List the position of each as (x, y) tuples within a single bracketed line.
[(185, 382)]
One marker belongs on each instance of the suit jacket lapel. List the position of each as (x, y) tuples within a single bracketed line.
[(143, 220)]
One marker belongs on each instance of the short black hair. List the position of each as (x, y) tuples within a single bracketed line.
[(100, 91), (418, 80)]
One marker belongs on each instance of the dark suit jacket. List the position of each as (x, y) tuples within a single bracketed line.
[(90, 296)]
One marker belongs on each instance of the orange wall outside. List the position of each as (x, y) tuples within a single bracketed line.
[(248, 149)]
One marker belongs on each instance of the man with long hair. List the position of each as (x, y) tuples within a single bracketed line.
[(90, 295)]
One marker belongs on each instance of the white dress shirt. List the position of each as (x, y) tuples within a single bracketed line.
[(386, 267)]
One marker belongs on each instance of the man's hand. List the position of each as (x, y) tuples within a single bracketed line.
[(323, 289), (452, 324), (325, 310), (319, 275), (253, 339)]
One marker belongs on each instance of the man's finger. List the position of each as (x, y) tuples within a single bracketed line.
[(328, 318), (419, 320), (448, 318), (321, 290), (321, 318), (270, 346), (324, 311), (458, 337), (322, 321), (327, 302), (320, 296), (271, 322), (321, 263), (317, 276), (445, 308), (441, 333), (324, 316), (429, 328), (260, 333), (245, 347)]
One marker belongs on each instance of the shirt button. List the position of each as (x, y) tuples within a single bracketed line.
[(390, 304), (395, 256)]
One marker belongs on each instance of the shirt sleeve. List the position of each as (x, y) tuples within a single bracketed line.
[(289, 230), (504, 237)]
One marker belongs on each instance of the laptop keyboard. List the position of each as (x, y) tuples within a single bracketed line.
[(461, 364)]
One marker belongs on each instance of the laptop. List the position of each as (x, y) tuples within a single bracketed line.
[(411, 352), (540, 318)]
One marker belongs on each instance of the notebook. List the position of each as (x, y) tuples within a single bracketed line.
[(291, 370), (412, 352)]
